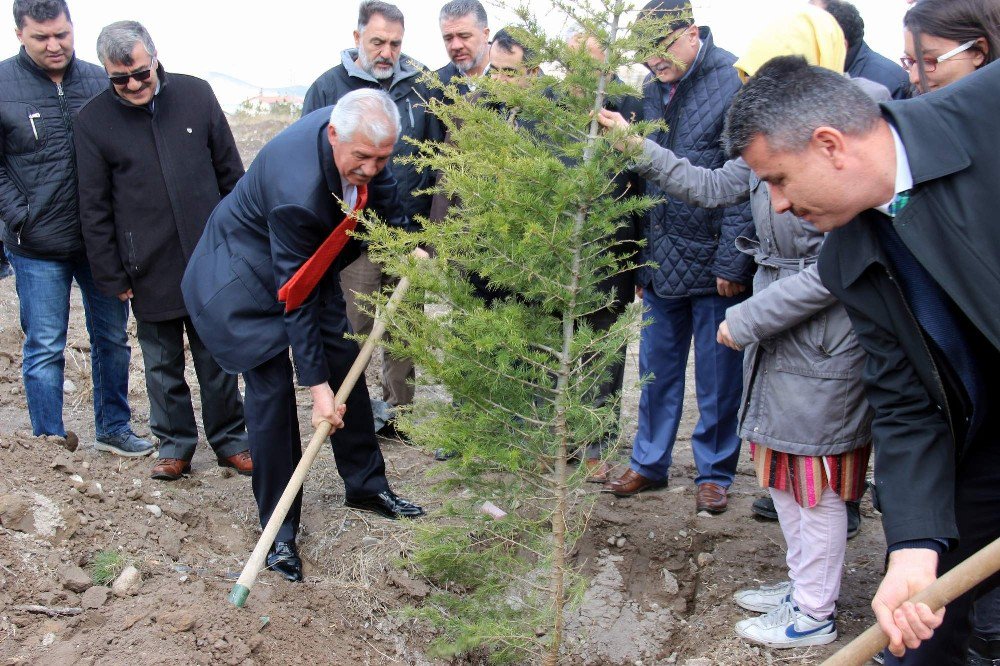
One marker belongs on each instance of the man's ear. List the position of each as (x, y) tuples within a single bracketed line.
[(830, 143), (331, 134), (357, 39)]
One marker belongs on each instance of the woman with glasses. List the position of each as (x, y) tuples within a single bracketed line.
[(948, 39)]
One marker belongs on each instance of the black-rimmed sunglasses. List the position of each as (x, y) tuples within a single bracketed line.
[(140, 76)]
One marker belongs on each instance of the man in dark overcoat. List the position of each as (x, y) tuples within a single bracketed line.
[(155, 156), (275, 236), (908, 194)]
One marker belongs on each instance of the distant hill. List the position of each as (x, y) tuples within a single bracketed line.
[(231, 91)]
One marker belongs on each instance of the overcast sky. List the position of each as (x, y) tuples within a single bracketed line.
[(291, 42)]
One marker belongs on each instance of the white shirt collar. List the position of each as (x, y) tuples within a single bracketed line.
[(350, 193), (904, 177)]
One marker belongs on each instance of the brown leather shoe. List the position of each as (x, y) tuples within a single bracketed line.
[(598, 471), (631, 483), (170, 469), (712, 498), (241, 462)]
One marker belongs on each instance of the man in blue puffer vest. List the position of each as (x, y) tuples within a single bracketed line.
[(698, 271), (41, 90)]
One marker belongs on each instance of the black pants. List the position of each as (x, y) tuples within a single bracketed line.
[(171, 415), (977, 507), (611, 383), (275, 445)]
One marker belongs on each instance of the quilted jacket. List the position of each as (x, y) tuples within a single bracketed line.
[(38, 204), (692, 246)]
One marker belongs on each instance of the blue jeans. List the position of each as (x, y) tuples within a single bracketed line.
[(718, 373), (43, 287)]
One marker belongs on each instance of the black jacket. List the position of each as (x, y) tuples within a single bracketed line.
[(148, 180), (38, 204), (258, 237), (410, 96), (949, 225), (863, 63)]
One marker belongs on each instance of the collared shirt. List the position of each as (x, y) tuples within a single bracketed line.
[(904, 177), (350, 193)]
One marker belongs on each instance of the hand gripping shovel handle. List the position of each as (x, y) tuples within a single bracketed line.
[(241, 589), (939, 594)]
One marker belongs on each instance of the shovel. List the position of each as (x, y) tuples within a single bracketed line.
[(241, 589)]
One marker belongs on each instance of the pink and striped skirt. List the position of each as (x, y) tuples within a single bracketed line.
[(806, 476)]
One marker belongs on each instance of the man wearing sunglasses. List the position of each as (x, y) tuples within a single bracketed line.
[(41, 90), (155, 157)]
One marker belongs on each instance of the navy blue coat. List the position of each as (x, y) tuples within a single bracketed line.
[(863, 63), (692, 246), (260, 234)]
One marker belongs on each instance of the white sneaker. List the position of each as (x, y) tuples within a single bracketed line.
[(765, 598), (788, 627)]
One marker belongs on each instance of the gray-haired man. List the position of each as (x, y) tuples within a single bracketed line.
[(254, 251), (155, 155), (377, 61)]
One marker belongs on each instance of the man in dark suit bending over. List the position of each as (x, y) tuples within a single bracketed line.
[(908, 193), (281, 236)]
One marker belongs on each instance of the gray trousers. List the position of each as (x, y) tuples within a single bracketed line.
[(171, 414), (364, 277)]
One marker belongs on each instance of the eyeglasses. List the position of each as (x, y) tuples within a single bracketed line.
[(930, 64), (141, 75)]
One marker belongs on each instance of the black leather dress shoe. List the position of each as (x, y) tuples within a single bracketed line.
[(284, 559), (387, 504)]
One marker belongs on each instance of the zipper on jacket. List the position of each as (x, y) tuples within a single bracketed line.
[(27, 217), (63, 106), (131, 251), (409, 107), (934, 368)]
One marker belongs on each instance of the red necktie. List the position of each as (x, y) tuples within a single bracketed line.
[(294, 292)]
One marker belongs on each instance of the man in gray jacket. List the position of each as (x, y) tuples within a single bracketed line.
[(377, 61)]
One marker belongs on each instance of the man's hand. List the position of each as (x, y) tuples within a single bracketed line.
[(638, 292), (420, 253), (125, 295), (724, 338), (727, 288), (325, 407), (906, 624), (612, 120)]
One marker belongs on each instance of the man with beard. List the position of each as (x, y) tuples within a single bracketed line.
[(377, 61), (466, 34)]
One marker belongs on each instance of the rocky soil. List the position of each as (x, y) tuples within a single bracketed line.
[(661, 577)]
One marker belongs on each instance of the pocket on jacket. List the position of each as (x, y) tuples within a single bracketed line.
[(820, 347), (24, 128), (263, 297)]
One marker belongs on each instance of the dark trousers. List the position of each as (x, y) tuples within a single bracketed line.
[(275, 445), (977, 507), (610, 384), (171, 415)]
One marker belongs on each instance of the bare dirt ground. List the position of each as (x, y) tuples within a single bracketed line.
[(663, 597)]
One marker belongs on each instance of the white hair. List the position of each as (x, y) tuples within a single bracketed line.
[(369, 110)]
